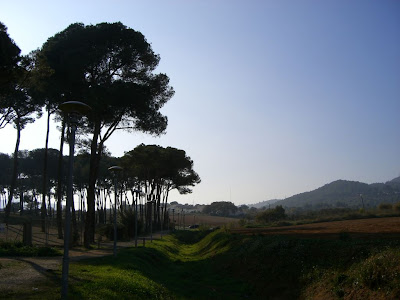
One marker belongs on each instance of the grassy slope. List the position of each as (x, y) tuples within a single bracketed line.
[(227, 266), (189, 265), (166, 269)]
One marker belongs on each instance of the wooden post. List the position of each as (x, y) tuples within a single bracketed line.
[(27, 234)]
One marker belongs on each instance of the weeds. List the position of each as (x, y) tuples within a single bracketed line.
[(19, 249)]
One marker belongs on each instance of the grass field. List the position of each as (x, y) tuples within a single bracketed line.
[(251, 264)]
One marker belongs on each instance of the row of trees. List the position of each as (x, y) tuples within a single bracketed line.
[(109, 67), (150, 172)]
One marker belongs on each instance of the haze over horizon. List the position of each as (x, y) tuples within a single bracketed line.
[(272, 98)]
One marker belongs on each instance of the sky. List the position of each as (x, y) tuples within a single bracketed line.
[(272, 98)]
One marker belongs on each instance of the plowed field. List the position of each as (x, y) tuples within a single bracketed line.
[(364, 228)]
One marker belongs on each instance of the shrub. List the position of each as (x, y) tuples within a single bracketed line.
[(127, 224), (242, 222), (385, 206), (380, 270), (19, 249), (271, 215)]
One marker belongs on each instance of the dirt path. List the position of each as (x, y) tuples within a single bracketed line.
[(26, 272)]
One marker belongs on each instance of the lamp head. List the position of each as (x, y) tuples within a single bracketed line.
[(75, 107), (115, 169)]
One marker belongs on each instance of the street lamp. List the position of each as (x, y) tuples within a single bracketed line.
[(115, 170), (73, 110)]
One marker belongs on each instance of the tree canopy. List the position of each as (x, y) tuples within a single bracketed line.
[(109, 67), (221, 208), (161, 169), (9, 58)]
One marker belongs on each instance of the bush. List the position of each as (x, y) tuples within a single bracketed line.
[(127, 224), (243, 222), (271, 215), (19, 249), (380, 270), (385, 206), (125, 227)]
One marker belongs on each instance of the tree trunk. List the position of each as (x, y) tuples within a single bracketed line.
[(59, 183), (44, 183), (15, 170), (21, 203), (95, 156), (75, 229)]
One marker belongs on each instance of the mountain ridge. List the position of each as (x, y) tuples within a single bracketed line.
[(341, 193)]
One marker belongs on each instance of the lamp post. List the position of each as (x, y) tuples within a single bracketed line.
[(73, 110), (115, 170)]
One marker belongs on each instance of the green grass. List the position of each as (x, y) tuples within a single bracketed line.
[(221, 265), (376, 277), (19, 249), (172, 268)]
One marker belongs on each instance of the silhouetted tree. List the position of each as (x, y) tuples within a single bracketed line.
[(222, 208), (157, 171), (109, 67), (271, 215), (9, 59), (16, 106)]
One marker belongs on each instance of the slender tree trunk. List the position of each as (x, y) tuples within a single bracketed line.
[(21, 203), (59, 183), (15, 170), (36, 203), (91, 194), (44, 183), (75, 229)]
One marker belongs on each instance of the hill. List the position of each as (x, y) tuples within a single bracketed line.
[(343, 193), (265, 203)]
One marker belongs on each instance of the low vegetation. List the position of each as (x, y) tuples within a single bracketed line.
[(279, 216), (210, 265), (19, 249)]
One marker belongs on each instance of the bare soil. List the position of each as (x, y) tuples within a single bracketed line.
[(363, 228), (28, 272)]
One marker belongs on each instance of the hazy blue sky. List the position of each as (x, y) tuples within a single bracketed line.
[(273, 98)]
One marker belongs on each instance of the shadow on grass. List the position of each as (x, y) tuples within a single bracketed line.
[(222, 265), (182, 278)]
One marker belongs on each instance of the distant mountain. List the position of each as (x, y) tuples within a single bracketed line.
[(396, 180), (394, 183), (343, 193), (265, 203)]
